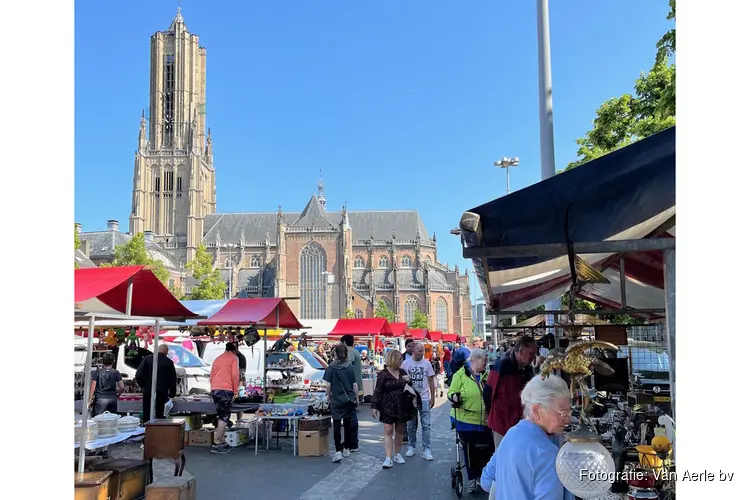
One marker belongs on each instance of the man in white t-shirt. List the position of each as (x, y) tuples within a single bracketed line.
[(422, 377)]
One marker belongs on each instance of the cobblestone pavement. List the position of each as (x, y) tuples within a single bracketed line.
[(277, 475)]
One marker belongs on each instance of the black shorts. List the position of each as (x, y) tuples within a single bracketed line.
[(223, 401)]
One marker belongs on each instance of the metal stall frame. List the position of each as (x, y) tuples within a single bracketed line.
[(665, 245)]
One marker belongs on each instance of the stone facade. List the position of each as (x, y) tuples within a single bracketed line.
[(325, 262)]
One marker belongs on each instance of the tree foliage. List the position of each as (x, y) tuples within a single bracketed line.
[(133, 253), (630, 117), (383, 311), (348, 314), (211, 286), (419, 321), (615, 319)]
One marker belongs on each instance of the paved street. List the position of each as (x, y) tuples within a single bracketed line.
[(278, 474)]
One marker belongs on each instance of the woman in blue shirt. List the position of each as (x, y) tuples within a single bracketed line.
[(523, 466)]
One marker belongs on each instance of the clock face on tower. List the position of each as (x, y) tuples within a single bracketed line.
[(169, 122)]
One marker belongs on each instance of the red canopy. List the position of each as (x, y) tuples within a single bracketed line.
[(362, 327), (418, 333), (254, 312), (435, 336), (449, 337), (105, 290), (400, 329)]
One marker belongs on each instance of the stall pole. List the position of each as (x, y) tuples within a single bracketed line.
[(154, 371), (265, 375), (129, 299), (85, 401), (669, 298)]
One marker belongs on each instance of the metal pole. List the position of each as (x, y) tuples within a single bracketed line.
[(154, 368), (129, 300), (265, 374), (85, 400), (669, 298), (546, 134), (507, 179), (623, 289)]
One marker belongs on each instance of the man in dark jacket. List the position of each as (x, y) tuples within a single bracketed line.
[(166, 382), (502, 393)]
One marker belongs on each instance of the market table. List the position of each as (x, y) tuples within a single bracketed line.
[(292, 419), (205, 407), (106, 441)]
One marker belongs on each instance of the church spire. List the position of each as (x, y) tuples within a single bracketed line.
[(178, 20), (321, 190)]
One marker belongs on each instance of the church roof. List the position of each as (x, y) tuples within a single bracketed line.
[(381, 225), (102, 246), (83, 261), (314, 216)]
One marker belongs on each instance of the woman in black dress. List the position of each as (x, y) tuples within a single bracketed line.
[(392, 406)]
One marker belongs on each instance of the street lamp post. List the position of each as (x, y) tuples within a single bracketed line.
[(506, 163)]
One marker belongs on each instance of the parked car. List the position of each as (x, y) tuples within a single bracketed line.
[(649, 371), (313, 369), (193, 373)]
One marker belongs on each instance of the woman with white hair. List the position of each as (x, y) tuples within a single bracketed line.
[(523, 466), (469, 414)]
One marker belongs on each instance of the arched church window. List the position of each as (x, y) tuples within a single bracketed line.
[(359, 314), (254, 261), (313, 279), (405, 261), (410, 309), (428, 260), (359, 262), (383, 262), (441, 315)]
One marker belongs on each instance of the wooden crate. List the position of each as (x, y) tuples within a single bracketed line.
[(129, 478), (92, 486), (172, 488)]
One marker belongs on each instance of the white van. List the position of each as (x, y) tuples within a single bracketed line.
[(313, 370), (193, 374)]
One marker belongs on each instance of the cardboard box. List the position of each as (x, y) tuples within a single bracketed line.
[(314, 424), (237, 437), (313, 443), (201, 437)]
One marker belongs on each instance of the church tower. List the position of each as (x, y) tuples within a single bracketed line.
[(174, 181)]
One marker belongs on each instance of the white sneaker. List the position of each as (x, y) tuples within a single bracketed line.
[(410, 451), (346, 453), (387, 463), (337, 457), (399, 459), (427, 455)]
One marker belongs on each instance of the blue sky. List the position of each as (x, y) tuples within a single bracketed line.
[(402, 104)]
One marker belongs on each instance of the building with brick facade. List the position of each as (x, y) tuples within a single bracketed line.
[(332, 261)]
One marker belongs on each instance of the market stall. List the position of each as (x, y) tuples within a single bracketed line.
[(604, 232), (119, 292)]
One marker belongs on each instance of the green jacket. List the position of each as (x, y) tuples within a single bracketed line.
[(472, 409)]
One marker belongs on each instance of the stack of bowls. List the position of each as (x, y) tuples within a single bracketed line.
[(128, 424), (92, 433), (107, 424)]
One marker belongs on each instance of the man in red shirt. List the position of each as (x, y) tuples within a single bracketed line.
[(502, 393), (225, 381)]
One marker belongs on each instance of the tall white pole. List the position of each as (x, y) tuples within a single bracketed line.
[(154, 371), (546, 135), (546, 129), (86, 396)]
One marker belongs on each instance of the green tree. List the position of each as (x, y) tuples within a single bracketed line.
[(348, 314), (652, 108), (383, 311), (419, 321), (133, 253), (211, 285)]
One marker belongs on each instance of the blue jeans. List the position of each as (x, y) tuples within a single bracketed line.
[(411, 429)]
